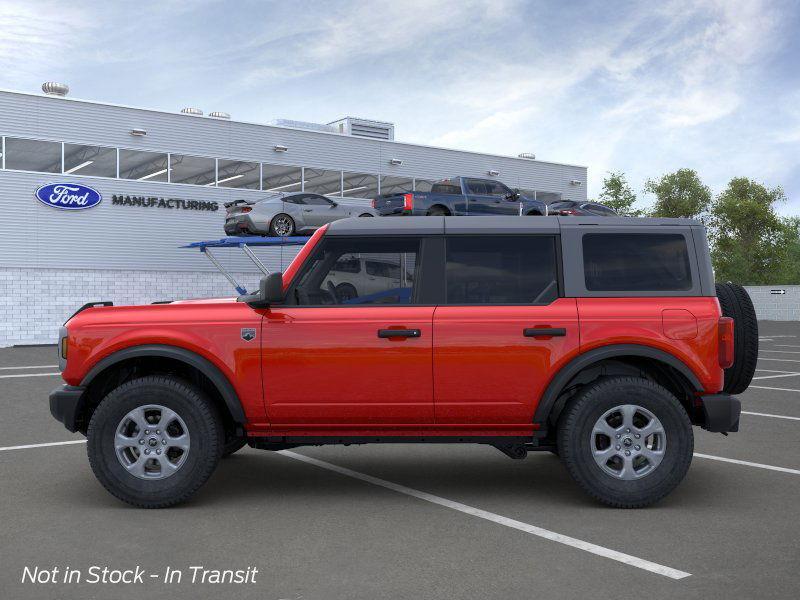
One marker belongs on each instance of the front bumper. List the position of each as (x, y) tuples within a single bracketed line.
[(66, 405), (721, 412)]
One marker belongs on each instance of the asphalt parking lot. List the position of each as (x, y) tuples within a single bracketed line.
[(412, 521)]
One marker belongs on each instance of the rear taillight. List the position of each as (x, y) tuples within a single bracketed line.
[(373, 203), (725, 341), (408, 201), (568, 211), (246, 209)]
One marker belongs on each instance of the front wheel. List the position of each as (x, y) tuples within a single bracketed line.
[(626, 441), (153, 441)]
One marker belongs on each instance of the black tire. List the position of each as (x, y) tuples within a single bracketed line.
[(735, 303), (205, 434), (345, 291), (232, 445), (575, 436), (279, 218), (437, 211)]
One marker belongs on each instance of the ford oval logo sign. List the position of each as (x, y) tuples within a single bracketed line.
[(68, 196)]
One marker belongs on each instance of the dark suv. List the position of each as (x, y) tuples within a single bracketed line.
[(600, 339)]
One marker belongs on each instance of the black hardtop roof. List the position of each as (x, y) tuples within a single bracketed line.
[(491, 225)]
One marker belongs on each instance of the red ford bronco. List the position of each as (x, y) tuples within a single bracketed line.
[(602, 340)]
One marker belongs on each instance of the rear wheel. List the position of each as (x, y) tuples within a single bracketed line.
[(626, 440), (282, 225), (437, 211), (735, 303), (153, 441)]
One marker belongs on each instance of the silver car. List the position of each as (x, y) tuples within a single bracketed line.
[(285, 214)]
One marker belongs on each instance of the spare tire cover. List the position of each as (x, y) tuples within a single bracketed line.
[(735, 303)]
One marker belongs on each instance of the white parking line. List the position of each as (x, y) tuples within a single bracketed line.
[(29, 367), (781, 351), (779, 359), (26, 446), (763, 387), (748, 464), (744, 412), (787, 346), (775, 376), (28, 375), (495, 518)]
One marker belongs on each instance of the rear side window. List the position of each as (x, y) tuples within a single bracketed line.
[(636, 262), (446, 187), (501, 270)]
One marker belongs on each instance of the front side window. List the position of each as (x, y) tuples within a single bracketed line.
[(636, 262), (143, 166), (33, 155), (501, 270), (478, 187), (97, 161), (495, 188), (334, 275), (315, 200)]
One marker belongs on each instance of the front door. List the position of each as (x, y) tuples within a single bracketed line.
[(503, 330), (350, 348), (319, 210), (490, 198)]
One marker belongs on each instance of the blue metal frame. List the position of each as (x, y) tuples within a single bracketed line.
[(244, 242)]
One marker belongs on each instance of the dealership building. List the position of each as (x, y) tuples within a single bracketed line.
[(162, 179)]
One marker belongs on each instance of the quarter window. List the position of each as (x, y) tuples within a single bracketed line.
[(501, 270), (33, 155), (636, 262), (334, 275)]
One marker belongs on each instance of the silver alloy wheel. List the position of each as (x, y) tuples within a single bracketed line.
[(152, 442), (282, 225), (628, 442)]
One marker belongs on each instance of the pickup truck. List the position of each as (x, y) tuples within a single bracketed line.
[(601, 339), (462, 196)]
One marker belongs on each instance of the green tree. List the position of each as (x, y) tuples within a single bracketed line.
[(679, 194), (751, 244), (617, 194)]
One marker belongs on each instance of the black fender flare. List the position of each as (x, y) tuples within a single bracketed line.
[(587, 359), (206, 367)]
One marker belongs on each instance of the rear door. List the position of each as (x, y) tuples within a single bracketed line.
[(346, 349), (503, 330)]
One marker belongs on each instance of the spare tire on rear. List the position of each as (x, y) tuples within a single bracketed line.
[(735, 303)]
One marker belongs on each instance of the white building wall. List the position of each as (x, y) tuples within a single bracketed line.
[(771, 305)]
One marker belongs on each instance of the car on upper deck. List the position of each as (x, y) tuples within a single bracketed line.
[(461, 196)]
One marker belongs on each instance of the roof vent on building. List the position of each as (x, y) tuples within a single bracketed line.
[(527, 155), (51, 88), (377, 130), (219, 115), (192, 111)]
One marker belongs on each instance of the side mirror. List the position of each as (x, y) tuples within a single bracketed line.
[(334, 204), (270, 291)]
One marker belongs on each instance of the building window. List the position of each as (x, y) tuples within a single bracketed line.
[(97, 161), (423, 185), (194, 170), (396, 185), (359, 185), (33, 155), (321, 181), (237, 174), (144, 166), (280, 178)]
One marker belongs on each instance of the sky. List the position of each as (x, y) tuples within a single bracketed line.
[(639, 87)]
